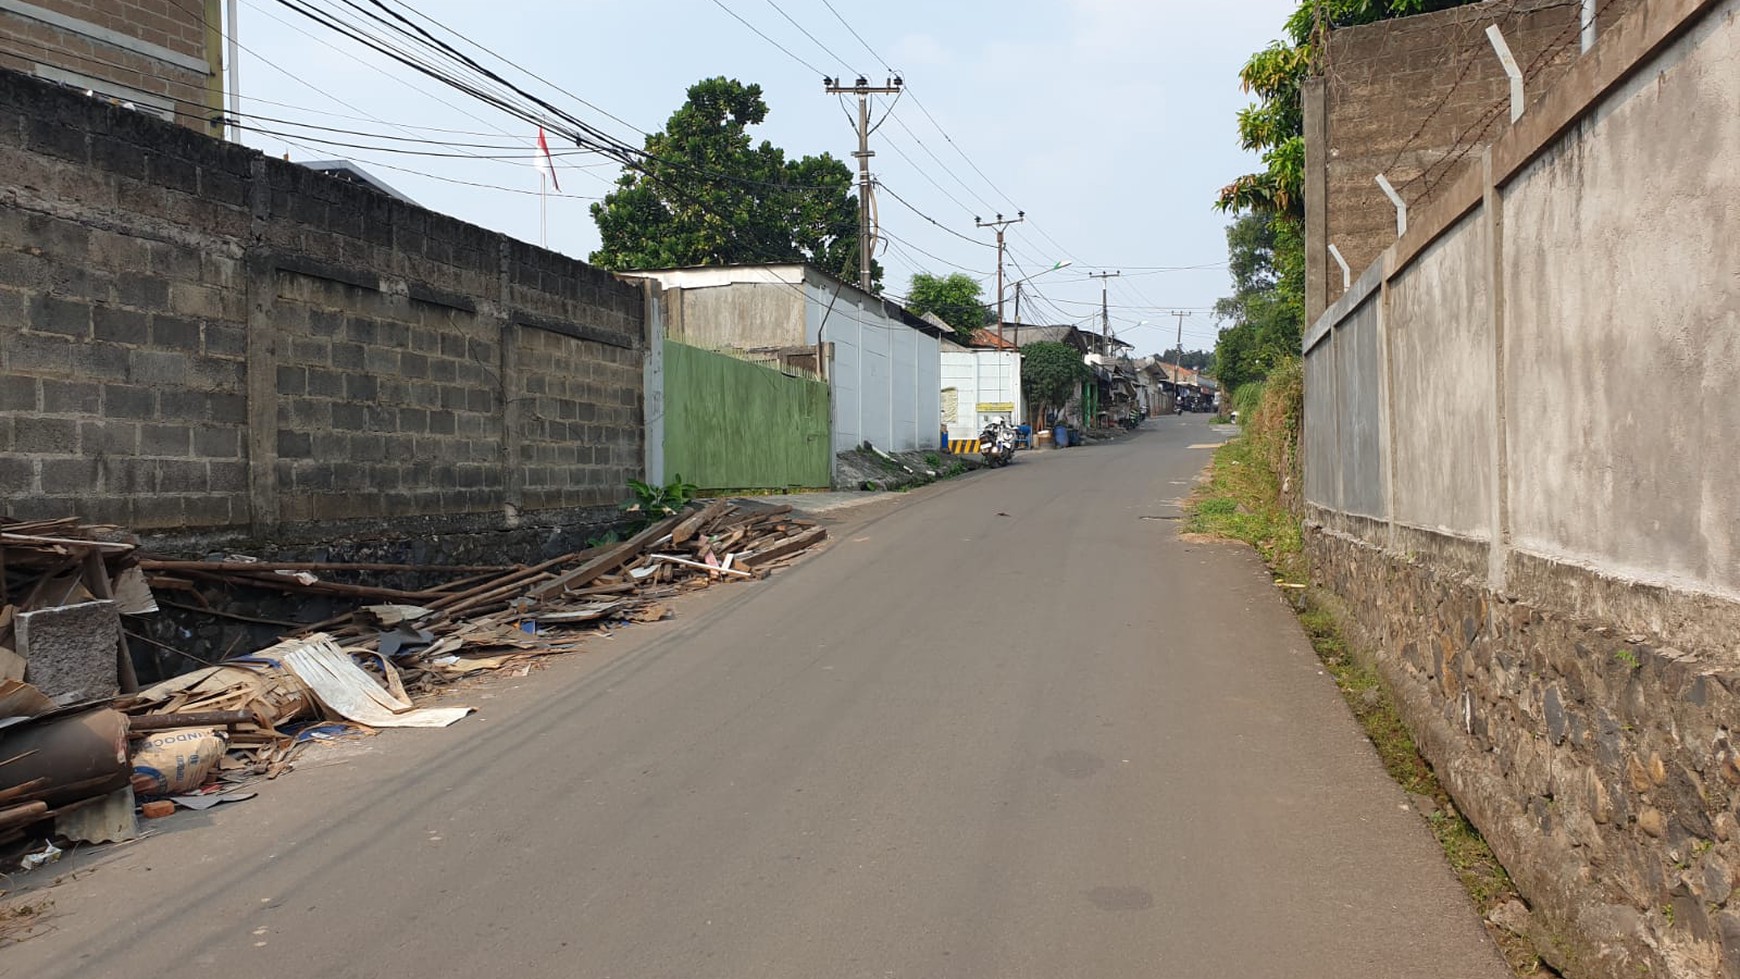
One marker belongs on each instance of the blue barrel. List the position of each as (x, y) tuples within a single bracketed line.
[(1060, 435)]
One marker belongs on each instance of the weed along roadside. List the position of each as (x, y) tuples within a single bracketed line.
[(1251, 493)]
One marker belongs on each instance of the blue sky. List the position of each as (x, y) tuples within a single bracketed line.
[(1110, 122)]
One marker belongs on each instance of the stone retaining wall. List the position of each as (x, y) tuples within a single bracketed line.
[(1600, 766)]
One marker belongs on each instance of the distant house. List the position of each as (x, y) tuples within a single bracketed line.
[(985, 339), (881, 362), (347, 171)]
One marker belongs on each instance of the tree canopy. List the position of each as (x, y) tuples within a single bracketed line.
[(1196, 360), (1265, 315), (707, 194), (955, 299), (1050, 372)]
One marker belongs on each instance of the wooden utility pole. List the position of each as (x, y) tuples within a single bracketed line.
[(1178, 355), (1105, 311), (863, 89), (998, 225)]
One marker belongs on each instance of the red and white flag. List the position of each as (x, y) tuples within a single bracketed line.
[(545, 164)]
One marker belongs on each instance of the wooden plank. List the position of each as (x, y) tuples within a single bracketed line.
[(612, 558), (108, 547), (790, 545), (155, 564), (685, 530)]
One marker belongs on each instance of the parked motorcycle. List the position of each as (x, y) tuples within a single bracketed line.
[(997, 443)]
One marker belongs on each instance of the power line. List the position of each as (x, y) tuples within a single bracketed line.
[(812, 37), (378, 70), (909, 206), (933, 256), (764, 37)]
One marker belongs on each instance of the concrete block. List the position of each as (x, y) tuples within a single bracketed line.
[(70, 652), (119, 325)]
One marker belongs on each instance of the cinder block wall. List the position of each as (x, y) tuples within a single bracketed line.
[(1416, 99), (193, 335)]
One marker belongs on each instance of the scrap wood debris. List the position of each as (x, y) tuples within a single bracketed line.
[(83, 755)]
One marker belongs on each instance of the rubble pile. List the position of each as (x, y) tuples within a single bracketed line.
[(83, 750)]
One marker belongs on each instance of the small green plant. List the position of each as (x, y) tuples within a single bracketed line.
[(1626, 657), (653, 502), (932, 460)]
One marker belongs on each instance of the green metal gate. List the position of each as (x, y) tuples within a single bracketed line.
[(731, 424)]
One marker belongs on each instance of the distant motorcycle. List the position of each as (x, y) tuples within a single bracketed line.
[(997, 443)]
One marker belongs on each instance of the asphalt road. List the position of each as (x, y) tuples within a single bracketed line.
[(1008, 726)]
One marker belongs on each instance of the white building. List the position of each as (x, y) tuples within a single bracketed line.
[(979, 385)]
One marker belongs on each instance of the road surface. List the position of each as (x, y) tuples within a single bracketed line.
[(1007, 726)]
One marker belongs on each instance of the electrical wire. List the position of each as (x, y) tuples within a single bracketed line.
[(945, 228), (498, 130), (812, 37), (933, 256), (734, 15)]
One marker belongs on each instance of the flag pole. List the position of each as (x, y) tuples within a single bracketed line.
[(543, 210)]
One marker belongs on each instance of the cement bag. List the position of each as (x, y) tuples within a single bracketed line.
[(176, 762)]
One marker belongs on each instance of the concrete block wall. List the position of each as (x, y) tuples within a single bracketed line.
[(1416, 99), (1542, 561), (193, 335)]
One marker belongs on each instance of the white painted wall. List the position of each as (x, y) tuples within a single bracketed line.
[(981, 377), (885, 376)]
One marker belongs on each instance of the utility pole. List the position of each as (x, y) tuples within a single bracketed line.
[(1178, 356), (1105, 311), (999, 224), (863, 89), (1018, 313)]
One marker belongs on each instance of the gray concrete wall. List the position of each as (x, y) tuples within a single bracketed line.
[(1440, 338), (1359, 386), (1622, 328), (1543, 370), (740, 316)]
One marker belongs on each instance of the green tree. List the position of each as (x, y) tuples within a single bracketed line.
[(956, 299), (707, 194), (1196, 360), (1050, 373), (1264, 317)]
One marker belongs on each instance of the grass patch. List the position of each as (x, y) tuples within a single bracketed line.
[(1246, 498), (1241, 501)]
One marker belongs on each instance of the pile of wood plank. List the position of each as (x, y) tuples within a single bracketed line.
[(531, 610), (373, 658)]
